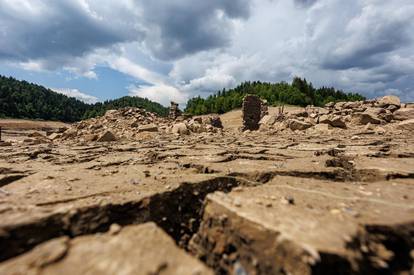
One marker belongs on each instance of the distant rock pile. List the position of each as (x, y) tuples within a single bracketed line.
[(344, 114), (124, 123), (131, 124)]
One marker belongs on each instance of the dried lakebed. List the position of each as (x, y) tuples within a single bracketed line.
[(210, 203)]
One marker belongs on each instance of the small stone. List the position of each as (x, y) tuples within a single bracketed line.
[(108, 136), (114, 229), (289, 200)]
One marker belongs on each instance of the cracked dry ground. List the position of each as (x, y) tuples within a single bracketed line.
[(232, 203)]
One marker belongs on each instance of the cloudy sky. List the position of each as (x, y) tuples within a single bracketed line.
[(175, 49)]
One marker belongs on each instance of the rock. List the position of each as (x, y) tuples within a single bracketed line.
[(216, 122), (139, 249), (70, 133), (180, 128), (340, 105), (322, 128), (54, 136), (268, 120), (365, 118), (352, 105), (337, 121), (296, 114), (213, 120), (330, 105), (375, 111), (334, 121), (404, 114), (264, 109), (90, 137), (388, 117), (389, 100), (36, 134), (393, 108), (148, 128), (406, 125), (295, 124), (107, 136), (5, 143)]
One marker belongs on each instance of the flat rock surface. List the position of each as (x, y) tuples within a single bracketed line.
[(302, 223), (141, 249)]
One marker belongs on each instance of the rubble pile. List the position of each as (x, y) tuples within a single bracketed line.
[(125, 123), (368, 114), (131, 124)]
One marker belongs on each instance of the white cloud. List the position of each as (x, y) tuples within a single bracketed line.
[(160, 93), (183, 48), (78, 95)]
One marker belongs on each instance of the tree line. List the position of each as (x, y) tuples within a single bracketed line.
[(21, 99), (300, 92)]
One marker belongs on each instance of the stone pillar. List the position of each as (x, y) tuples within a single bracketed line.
[(252, 110), (174, 111)]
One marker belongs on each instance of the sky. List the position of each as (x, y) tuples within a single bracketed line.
[(175, 49)]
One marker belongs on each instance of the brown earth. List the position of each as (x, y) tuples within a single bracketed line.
[(324, 200)]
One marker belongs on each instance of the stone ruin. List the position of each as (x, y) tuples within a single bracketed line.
[(253, 110), (174, 111)]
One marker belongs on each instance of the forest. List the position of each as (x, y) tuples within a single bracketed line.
[(300, 92), (21, 99)]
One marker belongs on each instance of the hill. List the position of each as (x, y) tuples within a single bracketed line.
[(21, 99), (299, 92)]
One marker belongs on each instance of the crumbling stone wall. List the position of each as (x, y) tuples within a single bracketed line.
[(174, 111), (252, 112)]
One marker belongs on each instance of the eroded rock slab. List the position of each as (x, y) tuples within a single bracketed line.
[(142, 249), (307, 226)]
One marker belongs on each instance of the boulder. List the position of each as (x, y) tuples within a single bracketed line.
[(406, 125), (329, 104), (352, 105), (268, 120), (216, 122), (295, 124), (404, 114), (388, 117), (337, 121), (322, 127), (148, 128), (389, 100), (393, 108), (107, 136), (365, 118), (180, 128), (332, 120), (213, 120)]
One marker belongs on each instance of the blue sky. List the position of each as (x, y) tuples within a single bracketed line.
[(176, 49)]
